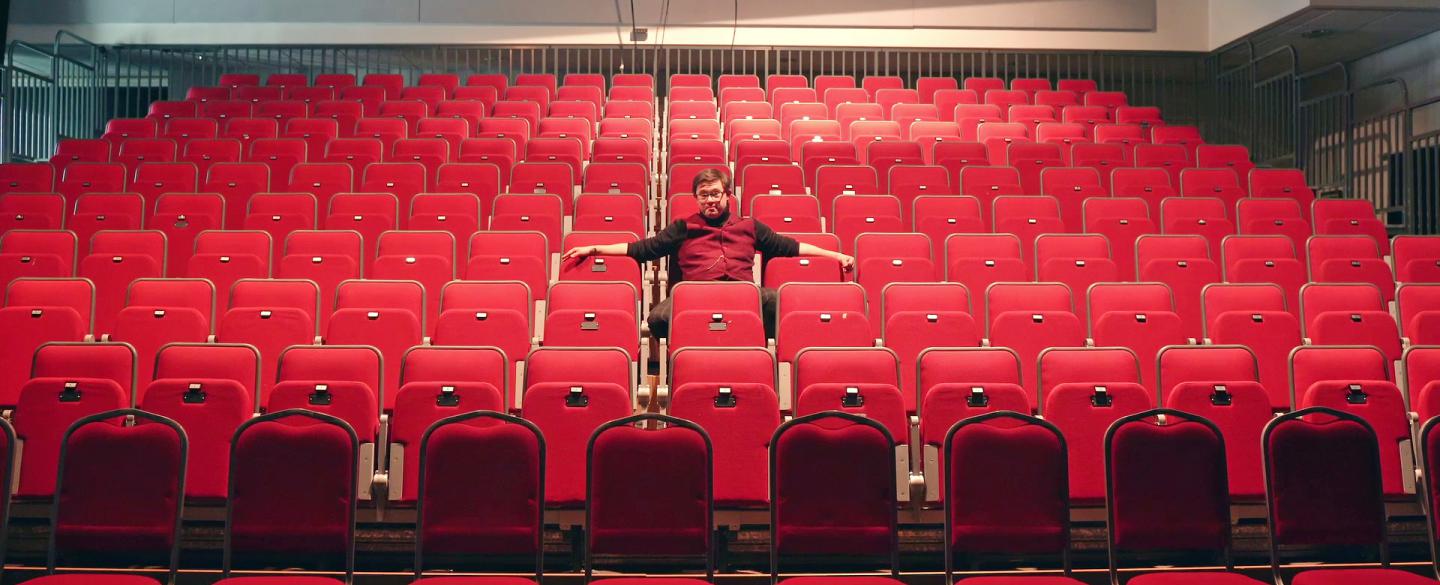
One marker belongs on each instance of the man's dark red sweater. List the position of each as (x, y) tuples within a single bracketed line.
[(719, 249)]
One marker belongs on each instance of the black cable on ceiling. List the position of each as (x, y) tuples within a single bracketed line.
[(633, 23), (735, 24)]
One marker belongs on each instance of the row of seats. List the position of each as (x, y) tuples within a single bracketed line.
[(1006, 482), (1075, 204), (385, 319), (112, 258), (824, 176), (1073, 186), (394, 84), (731, 392)]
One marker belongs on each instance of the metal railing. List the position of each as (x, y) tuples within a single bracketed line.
[(51, 93), (1363, 142), (29, 102), (148, 73), (79, 92)]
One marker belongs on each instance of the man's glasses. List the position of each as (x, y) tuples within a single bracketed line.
[(710, 195)]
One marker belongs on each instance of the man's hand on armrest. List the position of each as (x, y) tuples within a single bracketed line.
[(847, 263)]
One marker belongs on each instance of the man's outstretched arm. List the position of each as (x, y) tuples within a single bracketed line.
[(655, 247), (847, 263), (601, 250)]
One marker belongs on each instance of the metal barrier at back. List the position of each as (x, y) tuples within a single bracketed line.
[(29, 102)]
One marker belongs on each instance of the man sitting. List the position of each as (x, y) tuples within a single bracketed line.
[(713, 244)]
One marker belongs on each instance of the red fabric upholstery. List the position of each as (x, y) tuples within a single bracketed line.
[(652, 581), (280, 580), (798, 330), (417, 407), (625, 462), (209, 426), (106, 361), (41, 420), (1241, 422), (948, 403), (1270, 335), (841, 580), (136, 515), (739, 435), (911, 332), (1069, 407), (390, 330), (270, 330), (1029, 332), (1020, 580), (147, 328), (464, 512), (1320, 492), (291, 488), (1367, 576), (691, 328), (567, 431), (1144, 331), (505, 328), (834, 489), (615, 328), (1167, 486), (94, 579), (1431, 463), (351, 401), (998, 506), (1192, 578), (26, 328), (1384, 409), (880, 402)]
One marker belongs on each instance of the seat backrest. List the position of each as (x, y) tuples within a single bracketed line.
[(344, 380), (1086, 365), (292, 469), (1312, 364), (1203, 363), (106, 361), (210, 361), (1007, 485), (456, 454), (141, 521), (832, 489), (1026, 296), (75, 293), (676, 522), (1166, 460), (569, 392), (1322, 481)]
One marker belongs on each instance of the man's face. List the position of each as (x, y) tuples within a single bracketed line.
[(713, 199)]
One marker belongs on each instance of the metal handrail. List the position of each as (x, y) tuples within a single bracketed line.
[(1404, 96), (1294, 63)]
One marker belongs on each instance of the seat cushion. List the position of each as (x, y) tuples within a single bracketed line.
[(1352, 576), (95, 579), (476, 580), (841, 580), (1021, 580), (1194, 578), (280, 580)]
